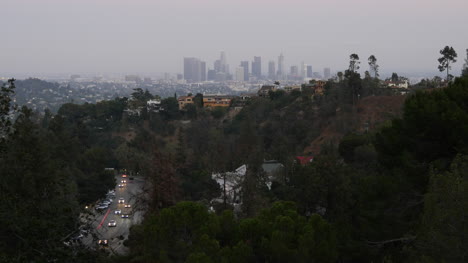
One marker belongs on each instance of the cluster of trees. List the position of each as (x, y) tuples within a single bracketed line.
[(387, 195), (50, 168), (187, 232), (395, 194)]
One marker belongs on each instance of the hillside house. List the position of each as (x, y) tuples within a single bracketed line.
[(184, 100), (265, 89), (211, 101)]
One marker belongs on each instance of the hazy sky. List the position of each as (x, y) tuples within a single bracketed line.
[(149, 36)]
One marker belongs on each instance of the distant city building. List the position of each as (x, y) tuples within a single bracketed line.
[(257, 67), (281, 66), (303, 72), (147, 80), (180, 76), (326, 73), (221, 65), (193, 70), (240, 74), (245, 66), (203, 71), (133, 78), (221, 76), (211, 74), (294, 71), (271, 70), (74, 77), (316, 75), (310, 73)]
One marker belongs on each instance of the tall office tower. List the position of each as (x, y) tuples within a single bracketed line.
[(240, 74), (217, 65), (257, 67), (202, 71), (223, 58), (192, 69), (281, 66), (220, 65), (294, 71), (245, 65), (211, 74), (326, 73), (303, 72), (271, 70), (310, 73)]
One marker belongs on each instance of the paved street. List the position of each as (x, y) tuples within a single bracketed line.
[(131, 192)]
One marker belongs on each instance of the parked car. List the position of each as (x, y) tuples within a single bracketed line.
[(101, 207)]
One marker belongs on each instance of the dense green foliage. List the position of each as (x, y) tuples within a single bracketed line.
[(48, 168), (395, 194), (187, 232)]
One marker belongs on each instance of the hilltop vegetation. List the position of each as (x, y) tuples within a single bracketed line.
[(383, 185)]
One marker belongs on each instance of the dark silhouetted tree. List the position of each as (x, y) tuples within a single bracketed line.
[(448, 56)]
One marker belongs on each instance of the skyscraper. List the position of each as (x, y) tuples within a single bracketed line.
[(281, 66), (303, 72), (326, 73), (294, 71), (202, 70), (310, 73), (271, 70), (240, 74), (221, 65), (193, 69), (257, 67), (245, 65)]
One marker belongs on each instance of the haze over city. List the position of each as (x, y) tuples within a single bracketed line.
[(149, 37)]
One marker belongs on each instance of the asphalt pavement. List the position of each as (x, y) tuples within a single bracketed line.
[(98, 221)]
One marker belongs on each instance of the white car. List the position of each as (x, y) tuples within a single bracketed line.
[(118, 212), (101, 207), (112, 223), (121, 200)]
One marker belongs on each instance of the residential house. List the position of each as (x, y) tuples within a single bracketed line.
[(210, 101), (153, 105), (184, 100), (317, 86), (265, 89)]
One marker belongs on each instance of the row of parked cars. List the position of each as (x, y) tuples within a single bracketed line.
[(106, 202)]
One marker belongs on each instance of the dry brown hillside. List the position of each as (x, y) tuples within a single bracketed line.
[(369, 114)]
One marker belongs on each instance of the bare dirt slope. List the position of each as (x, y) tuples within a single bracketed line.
[(369, 114)]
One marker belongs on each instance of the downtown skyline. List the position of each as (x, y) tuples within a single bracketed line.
[(51, 36)]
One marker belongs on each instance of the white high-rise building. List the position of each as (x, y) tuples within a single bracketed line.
[(281, 66), (240, 74), (303, 72)]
